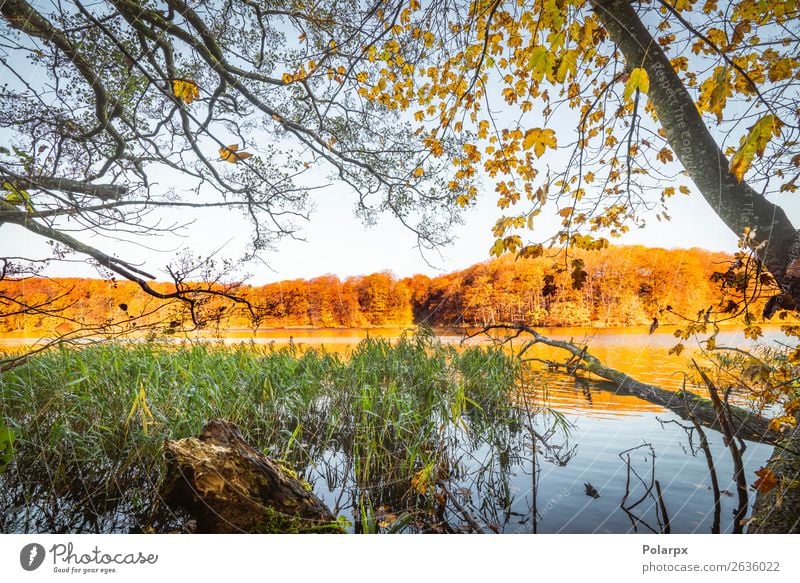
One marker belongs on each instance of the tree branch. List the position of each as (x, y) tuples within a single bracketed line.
[(101, 191), (685, 404)]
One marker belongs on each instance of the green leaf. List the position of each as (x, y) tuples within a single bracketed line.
[(18, 197), (540, 62), (7, 438), (754, 144)]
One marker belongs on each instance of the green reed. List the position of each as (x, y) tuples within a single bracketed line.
[(89, 423)]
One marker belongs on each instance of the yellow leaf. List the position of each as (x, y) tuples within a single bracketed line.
[(782, 69), (568, 64), (714, 92), (539, 139), (232, 155), (717, 37), (792, 406), (637, 81), (421, 480), (418, 172), (676, 350), (185, 90), (531, 251), (754, 144), (752, 332), (498, 248), (781, 423), (18, 197)]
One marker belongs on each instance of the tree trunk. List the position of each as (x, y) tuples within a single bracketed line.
[(230, 487), (685, 404), (778, 511), (736, 203)]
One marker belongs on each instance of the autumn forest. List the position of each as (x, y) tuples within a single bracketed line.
[(624, 286)]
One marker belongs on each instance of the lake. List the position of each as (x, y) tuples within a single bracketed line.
[(581, 440), (603, 427)]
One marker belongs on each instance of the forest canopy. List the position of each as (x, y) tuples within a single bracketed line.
[(625, 286)]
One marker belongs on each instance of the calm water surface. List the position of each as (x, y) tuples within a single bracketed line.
[(615, 443)]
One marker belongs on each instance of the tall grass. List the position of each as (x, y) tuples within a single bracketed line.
[(377, 428)]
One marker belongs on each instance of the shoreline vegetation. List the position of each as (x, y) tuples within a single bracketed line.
[(379, 428), (389, 431), (623, 286)]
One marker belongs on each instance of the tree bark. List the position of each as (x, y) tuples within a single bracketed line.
[(778, 511), (101, 191), (736, 203), (230, 487)]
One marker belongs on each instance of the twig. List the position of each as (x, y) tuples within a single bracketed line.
[(464, 512), (715, 527), (663, 507)]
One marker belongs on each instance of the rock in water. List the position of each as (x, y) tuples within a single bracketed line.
[(230, 487)]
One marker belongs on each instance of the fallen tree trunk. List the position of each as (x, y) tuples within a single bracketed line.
[(230, 487), (685, 404)]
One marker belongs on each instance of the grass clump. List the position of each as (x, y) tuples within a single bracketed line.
[(368, 426)]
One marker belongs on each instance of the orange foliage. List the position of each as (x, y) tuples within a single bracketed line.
[(622, 286)]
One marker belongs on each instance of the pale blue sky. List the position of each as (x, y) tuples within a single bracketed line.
[(337, 242)]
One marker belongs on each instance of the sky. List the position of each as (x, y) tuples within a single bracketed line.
[(337, 242)]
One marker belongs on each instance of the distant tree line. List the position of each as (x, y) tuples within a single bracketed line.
[(621, 286)]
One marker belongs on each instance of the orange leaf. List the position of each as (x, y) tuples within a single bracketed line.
[(714, 92), (792, 406), (665, 155), (232, 155), (782, 422), (766, 480)]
